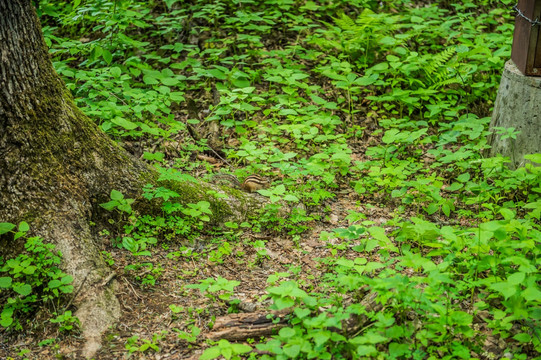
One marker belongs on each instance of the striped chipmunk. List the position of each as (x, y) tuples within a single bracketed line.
[(250, 184)]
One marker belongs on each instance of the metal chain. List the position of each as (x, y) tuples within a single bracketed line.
[(521, 14)]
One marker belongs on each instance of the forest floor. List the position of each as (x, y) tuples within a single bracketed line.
[(146, 313), (372, 129)]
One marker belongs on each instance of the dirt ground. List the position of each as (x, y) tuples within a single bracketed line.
[(146, 308)]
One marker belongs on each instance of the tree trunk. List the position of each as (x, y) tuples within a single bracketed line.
[(55, 164)]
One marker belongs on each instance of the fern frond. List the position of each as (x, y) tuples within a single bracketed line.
[(346, 23), (436, 69), (445, 82)]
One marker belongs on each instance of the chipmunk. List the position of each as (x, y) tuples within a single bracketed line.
[(250, 184)]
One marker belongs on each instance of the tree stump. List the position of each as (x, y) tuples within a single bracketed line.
[(518, 105)]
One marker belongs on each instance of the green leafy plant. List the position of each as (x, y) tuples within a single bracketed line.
[(31, 280), (210, 286), (226, 349), (382, 113), (66, 321), (146, 273), (134, 344), (217, 256), (118, 202), (189, 336)]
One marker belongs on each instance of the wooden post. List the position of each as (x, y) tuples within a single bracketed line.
[(526, 51), (518, 104)]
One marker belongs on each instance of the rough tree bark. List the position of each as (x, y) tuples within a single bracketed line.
[(56, 166)]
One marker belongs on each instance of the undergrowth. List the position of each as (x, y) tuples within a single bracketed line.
[(386, 101)]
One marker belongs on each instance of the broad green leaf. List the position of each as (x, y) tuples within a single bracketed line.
[(320, 337), (66, 289), (6, 321), (516, 278), (54, 284), (366, 80), (461, 318), (150, 80), (68, 279), (301, 313), (532, 293), (29, 270), (22, 289), (286, 333), (110, 205), (172, 81), (372, 337), (371, 244), (227, 352), (211, 353), (508, 214), (292, 350), (454, 187), (241, 348), (366, 350), (116, 195), (217, 74), (177, 96), (283, 303), (116, 71), (533, 158), (6, 227), (432, 208), (463, 177), (398, 350), (23, 226), (291, 198), (379, 234), (107, 56), (5, 282), (125, 208), (390, 136), (246, 90), (446, 209), (504, 288), (523, 338), (130, 244), (126, 124)]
